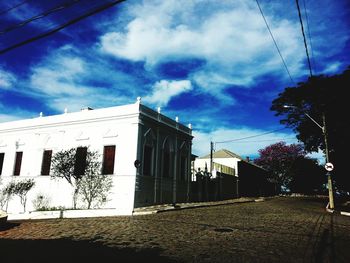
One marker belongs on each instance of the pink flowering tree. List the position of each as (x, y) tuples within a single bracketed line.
[(279, 158)]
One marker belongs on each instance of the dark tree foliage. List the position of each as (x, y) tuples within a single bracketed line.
[(320, 95), (307, 177)]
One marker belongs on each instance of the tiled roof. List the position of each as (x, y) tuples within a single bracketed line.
[(223, 153)]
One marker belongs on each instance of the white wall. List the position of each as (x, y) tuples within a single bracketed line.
[(97, 128), (230, 162)]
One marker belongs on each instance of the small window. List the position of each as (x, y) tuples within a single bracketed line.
[(18, 163), (46, 164), (80, 161), (2, 155), (108, 159)]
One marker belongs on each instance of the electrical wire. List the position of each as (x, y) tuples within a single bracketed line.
[(60, 27), (267, 140), (39, 16), (274, 41), (253, 136), (309, 35), (13, 7), (305, 44)]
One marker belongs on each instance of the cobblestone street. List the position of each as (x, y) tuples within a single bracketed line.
[(277, 230)]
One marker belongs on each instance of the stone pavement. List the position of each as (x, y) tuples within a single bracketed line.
[(341, 208), (178, 206), (282, 229)]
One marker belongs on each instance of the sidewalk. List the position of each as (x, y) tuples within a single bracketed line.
[(343, 208), (178, 206)]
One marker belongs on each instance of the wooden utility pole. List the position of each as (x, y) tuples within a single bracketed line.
[(329, 177), (211, 157)]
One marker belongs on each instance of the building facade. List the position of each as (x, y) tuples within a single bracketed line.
[(244, 177), (146, 154)]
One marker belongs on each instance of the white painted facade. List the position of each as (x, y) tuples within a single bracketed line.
[(223, 157), (125, 127)]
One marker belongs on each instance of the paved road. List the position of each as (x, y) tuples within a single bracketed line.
[(278, 230)]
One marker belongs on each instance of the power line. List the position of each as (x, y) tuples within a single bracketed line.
[(309, 35), (13, 7), (253, 136), (268, 140), (62, 26), (302, 30), (39, 16), (274, 41)]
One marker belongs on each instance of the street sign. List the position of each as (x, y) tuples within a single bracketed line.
[(329, 167)]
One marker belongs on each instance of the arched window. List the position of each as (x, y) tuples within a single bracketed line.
[(168, 155), (148, 154)]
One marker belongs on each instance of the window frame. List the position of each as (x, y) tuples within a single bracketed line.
[(80, 164), (2, 158), (46, 166), (108, 168), (18, 163)]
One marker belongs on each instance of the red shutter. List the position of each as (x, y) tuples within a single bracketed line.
[(108, 159), (46, 164), (2, 155), (80, 161), (18, 163)]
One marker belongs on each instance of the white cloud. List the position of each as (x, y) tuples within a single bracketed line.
[(163, 91), (12, 114), (319, 156), (230, 37), (67, 78), (247, 147), (8, 117), (332, 68), (58, 75), (7, 79)]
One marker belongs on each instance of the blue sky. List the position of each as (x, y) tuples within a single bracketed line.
[(211, 63)]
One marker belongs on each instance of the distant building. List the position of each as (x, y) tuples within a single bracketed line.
[(147, 154), (249, 178)]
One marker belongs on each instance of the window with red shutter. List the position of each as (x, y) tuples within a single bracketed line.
[(18, 163), (108, 159), (80, 161), (2, 156), (46, 164)]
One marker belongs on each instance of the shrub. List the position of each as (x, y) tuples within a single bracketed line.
[(41, 202)]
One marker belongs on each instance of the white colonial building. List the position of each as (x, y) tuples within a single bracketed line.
[(146, 154)]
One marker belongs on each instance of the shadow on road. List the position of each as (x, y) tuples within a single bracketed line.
[(8, 226), (66, 250)]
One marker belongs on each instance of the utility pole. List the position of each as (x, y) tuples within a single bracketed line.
[(211, 157), (329, 177), (324, 133)]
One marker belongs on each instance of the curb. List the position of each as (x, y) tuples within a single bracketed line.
[(338, 212), (193, 205), (344, 213)]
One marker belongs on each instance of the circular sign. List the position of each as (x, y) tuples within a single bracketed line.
[(329, 167), (137, 163)]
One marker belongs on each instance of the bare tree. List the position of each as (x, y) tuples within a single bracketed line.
[(6, 195), (21, 189), (91, 185), (63, 167)]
